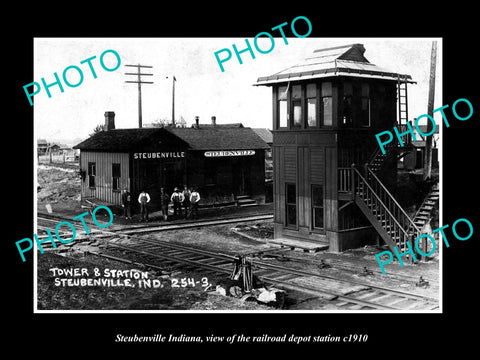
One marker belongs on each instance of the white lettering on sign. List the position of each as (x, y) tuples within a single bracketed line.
[(229, 153), (159, 155)]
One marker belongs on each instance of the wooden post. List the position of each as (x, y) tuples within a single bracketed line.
[(173, 102), (354, 186), (427, 172), (140, 124), (139, 82)]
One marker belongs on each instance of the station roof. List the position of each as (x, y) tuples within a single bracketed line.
[(346, 60), (265, 134), (220, 138), (202, 138)]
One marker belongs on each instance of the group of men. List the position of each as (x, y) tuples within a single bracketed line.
[(187, 200)]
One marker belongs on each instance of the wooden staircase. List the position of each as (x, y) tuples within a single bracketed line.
[(245, 200), (424, 212), (383, 211), (392, 151), (387, 216)]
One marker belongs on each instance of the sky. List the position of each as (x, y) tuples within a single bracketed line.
[(201, 88)]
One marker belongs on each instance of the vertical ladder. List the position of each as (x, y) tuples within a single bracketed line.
[(402, 99)]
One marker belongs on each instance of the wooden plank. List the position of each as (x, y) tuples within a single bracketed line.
[(290, 164), (317, 165)]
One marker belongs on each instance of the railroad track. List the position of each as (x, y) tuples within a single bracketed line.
[(44, 222), (349, 295), (343, 294)]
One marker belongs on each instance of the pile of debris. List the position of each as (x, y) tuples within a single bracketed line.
[(56, 184), (262, 231), (242, 284)]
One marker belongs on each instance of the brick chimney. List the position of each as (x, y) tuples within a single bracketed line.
[(109, 121), (197, 122), (214, 120)]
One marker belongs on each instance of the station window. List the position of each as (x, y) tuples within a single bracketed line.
[(346, 105), (311, 105), (317, 206), (297, 105), (92, 172), (365, 105), (291, 204), (282, 107), (116, 177), (327, 106)]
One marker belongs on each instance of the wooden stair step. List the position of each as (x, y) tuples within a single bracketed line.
[(422, 217), (426, 207)]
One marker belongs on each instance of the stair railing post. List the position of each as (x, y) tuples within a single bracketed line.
[(411, 240), (354, 185)]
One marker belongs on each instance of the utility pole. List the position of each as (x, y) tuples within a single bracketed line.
[(139, 82), (427, 171), (173, 101)]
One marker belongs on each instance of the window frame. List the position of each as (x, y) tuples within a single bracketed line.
[(279, 101), (323, 97), (116, 179), (314, 207), (347, 97), (365, 96), (296, 103), (92, 173), (288, 205), (315, 98)]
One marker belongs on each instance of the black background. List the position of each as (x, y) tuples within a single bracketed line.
[(87, 334)]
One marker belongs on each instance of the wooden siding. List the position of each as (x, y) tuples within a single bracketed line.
[(331, 193), (103, 189), (304, 188), (290, 164), (278, 184), (317, 165)]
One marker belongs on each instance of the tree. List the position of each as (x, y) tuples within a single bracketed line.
[(97, 129)]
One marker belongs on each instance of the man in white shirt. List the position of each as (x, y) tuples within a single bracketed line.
[(177, 199), (194, 199), (144, 199)]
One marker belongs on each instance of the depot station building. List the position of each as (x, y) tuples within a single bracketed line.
[(225, 162)]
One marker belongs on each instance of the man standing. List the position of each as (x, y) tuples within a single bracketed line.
[(126, 204), (164, 200), (144, 199), (177, 199), (186, 200), (194, 199)]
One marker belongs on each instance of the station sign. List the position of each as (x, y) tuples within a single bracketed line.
[(223, 153), (159, 155)]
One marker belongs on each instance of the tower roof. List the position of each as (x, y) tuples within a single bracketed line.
[(346, 60)]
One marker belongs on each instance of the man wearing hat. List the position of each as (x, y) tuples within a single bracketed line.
[(177, 199)]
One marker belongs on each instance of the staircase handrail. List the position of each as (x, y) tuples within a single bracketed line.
[(417, 230), (380, 200)]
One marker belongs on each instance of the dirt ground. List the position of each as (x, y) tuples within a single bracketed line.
[(167, 293), (242, 238)]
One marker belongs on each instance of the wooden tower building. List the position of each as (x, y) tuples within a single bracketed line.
[(331, 183)]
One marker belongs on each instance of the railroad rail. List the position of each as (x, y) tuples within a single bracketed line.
[(343, 294), (145, 229)]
